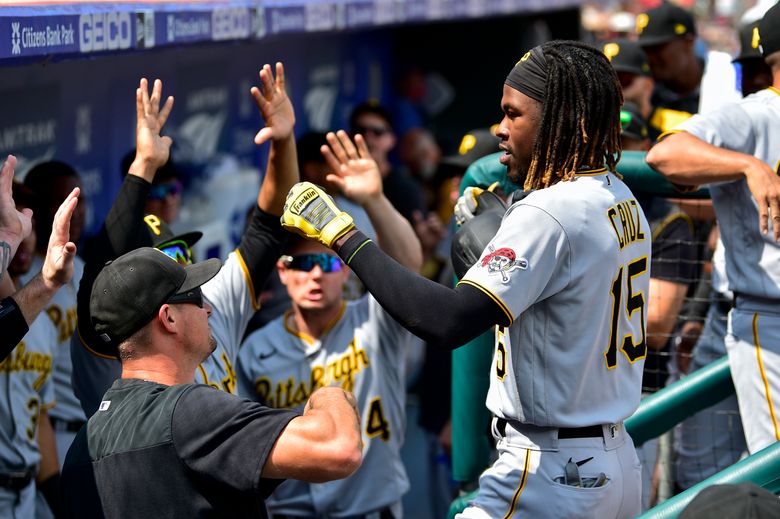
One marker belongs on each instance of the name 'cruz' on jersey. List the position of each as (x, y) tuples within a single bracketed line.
[(630, 230), (291, 393)]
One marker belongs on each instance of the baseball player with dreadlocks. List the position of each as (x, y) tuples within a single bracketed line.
[(564, 280)]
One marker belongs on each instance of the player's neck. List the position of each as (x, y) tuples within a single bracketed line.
[(160, 369), (314, 322)]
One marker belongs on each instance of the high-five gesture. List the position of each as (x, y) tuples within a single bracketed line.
[(58, 265), (15, 225), (355, 173), (152, 149), (274, 105)]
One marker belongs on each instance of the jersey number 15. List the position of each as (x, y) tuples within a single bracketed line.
[(634, 301)]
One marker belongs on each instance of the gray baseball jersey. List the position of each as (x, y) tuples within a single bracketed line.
[(26, 387), (570, 267), (62, 313), (363, 351), (232, 297), (750, 126)]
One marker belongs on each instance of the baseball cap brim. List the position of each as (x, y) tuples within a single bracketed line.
[(649, 41), (190, 238), (199, 273)]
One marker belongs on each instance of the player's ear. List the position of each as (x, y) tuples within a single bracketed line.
[(281, 269), (167, 318)]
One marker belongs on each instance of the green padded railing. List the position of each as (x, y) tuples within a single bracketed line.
[(663, 410), (762, 468)]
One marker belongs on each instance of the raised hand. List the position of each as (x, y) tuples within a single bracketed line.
[(15, 225), (355, 173), (58, 265), (274, 105), (764, 184), (152, 149)]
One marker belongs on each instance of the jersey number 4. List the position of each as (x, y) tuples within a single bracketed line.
[(633, 301)]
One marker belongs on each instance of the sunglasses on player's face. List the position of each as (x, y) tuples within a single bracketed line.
[(179, 251), (161, 191), (192, 297), (377, 131), (307, 262)]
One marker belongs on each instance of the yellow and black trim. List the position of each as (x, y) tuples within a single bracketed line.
[(90, 350), (763, 377), (521, 486), (492, 296), (248, 277), (591, 172), (775, 90), (308, 339), (669, 219)]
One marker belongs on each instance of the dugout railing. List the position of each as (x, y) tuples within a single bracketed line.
[(657, 413)]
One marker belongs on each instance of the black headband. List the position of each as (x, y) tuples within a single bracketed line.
[(529, 75)]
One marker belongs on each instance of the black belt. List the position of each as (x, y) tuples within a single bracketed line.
[(566, 433), (385, 513), (66, 426), (16, 481)]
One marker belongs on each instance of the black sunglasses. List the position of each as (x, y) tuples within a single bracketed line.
[(191, 297), (378, 131), (307, 262)]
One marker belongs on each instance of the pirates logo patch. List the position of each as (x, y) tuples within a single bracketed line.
[(503, 261)]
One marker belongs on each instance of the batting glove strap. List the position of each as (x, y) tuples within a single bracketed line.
[(311, 212)]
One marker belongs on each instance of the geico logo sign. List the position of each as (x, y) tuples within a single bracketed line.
[(230, 23), (104, 31)]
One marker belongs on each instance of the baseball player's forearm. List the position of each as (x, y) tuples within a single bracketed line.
[(33, 297), (280, 176), (687, 160), (441, 316), (261, 245), (124, 227), (49, 465), (13, 324), (666, 300), (322, 445), (394, 233)]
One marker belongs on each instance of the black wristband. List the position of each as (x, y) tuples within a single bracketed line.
[(13, 325), (353, 244), (51, 492)]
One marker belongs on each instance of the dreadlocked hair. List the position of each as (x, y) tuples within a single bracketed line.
[(580, 122)]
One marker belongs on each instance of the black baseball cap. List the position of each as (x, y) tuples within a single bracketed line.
[(129, 291), (744, 500), (749, 43), (769, 31), (474, 145), (632, 124), (663, 24), (626, 56), (161, 234)]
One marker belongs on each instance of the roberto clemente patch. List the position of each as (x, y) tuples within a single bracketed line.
[(502, 262)]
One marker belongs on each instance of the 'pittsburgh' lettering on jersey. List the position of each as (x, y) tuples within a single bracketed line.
[(629, 231), (23, 360), (65, 321), (291, 393)]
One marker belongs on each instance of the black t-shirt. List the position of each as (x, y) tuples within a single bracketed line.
[(172, 451), (674, 259)]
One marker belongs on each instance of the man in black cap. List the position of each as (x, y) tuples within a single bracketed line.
[(633, 71), (685, 83), (735, 150), (161, 445), (755, 74)]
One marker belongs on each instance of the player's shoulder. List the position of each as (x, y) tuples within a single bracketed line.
[(264, 337)]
